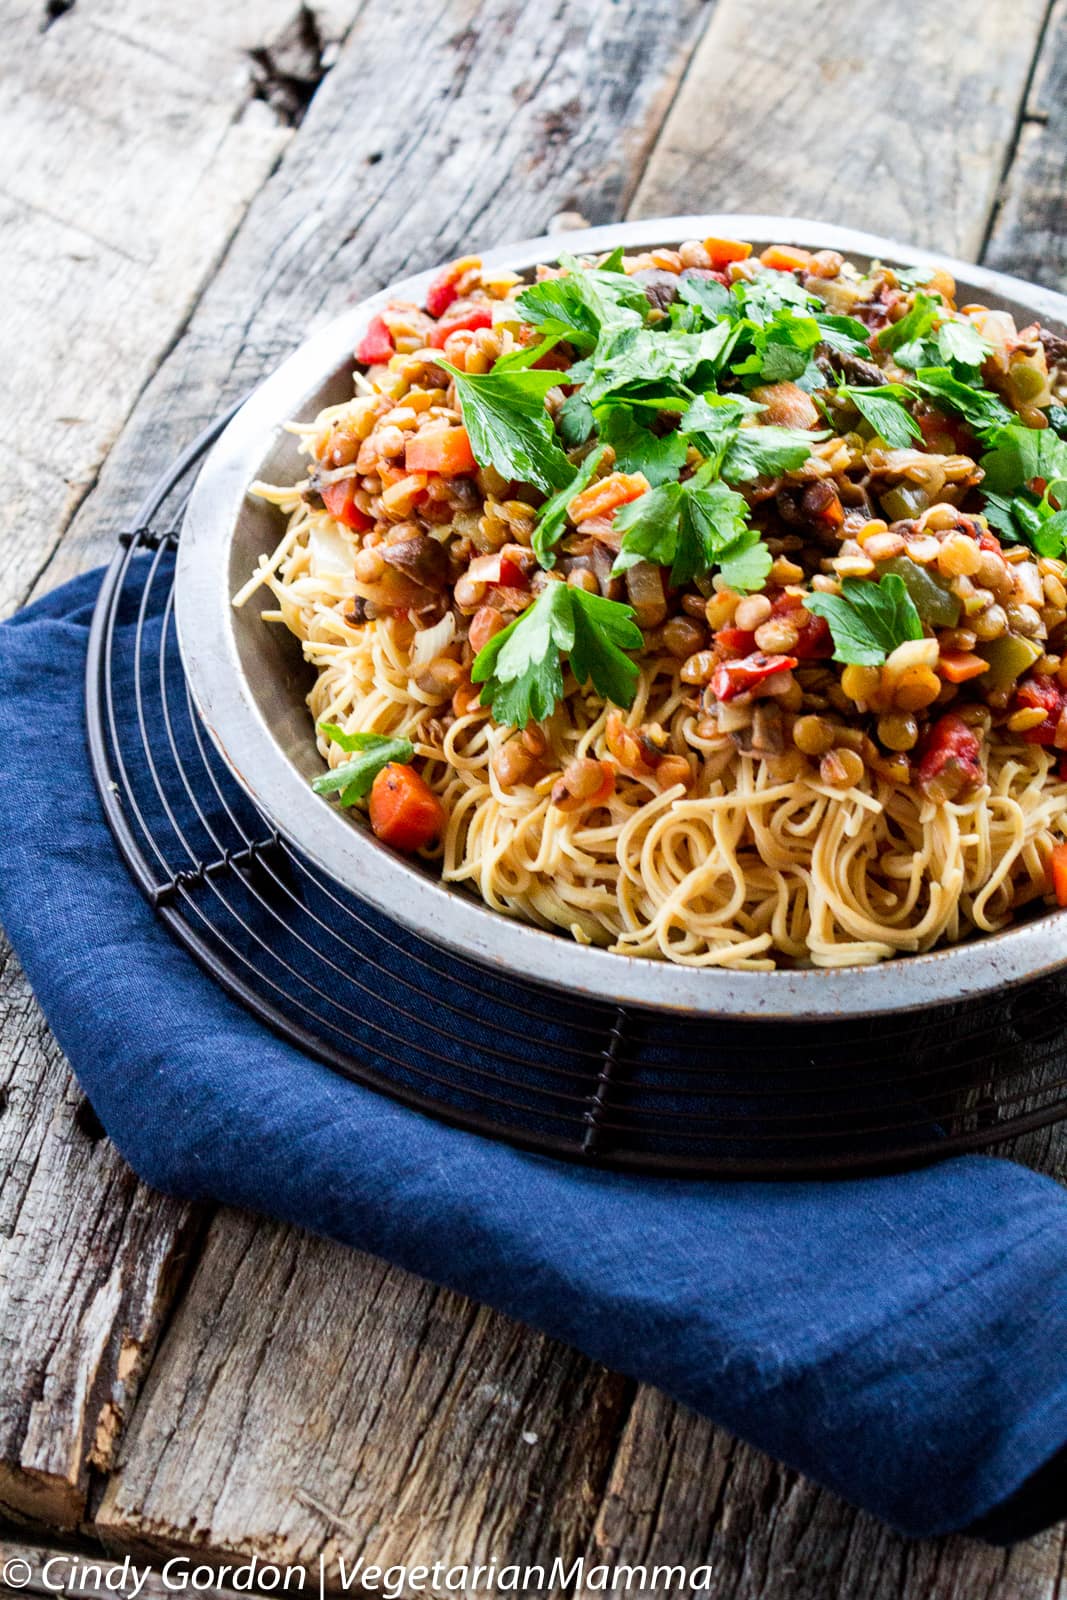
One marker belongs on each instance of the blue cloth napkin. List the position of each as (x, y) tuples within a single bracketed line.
[(901, 1339)]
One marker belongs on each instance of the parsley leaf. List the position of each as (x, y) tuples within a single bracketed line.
[(979, 407), (924, 313), (508, 426), (1018, 454), (1057, 420), (881, 407), (691, 527), (370, 753), (779, 347), (584, 302), (706, 294), (641, 355), (575, 420), (961, 345), (746, 563), (637, 449), (843, 333), (766, 452), (1036, 521), (552, 517), (868, 620), (521, 667)]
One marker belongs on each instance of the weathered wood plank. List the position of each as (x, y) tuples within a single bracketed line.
[(89, 1260), (132, 143), (892, 118), (512, 124), (308, 1398), (510, 113), (683, 1492), (1029, 234)]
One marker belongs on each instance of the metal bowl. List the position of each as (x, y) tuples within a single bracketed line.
[(249, 682)]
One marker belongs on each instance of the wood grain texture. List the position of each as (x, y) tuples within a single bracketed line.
[(508, 114), (131, 141), (89, 1260), (308, 1398), (683, 1492), (1029, 234), (304, 1397), (897, 119)]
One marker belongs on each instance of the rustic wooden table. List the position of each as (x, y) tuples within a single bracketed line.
[(186, 190)]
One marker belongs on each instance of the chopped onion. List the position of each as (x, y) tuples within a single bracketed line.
[(485, 569), (432, 642), (330, 552)]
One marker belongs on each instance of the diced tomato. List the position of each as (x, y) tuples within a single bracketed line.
[(1040, 693), (1058, 873), (957, 666), (732, 678), (467, 315), (376, 345), (442, 291), (444, 450), (723, 251), (340, 501), (512, 575), (814, 642), (738, 641), (948, 759), (404, 811), (989, 541), (605, 496), (785, 257), (1061, 769)]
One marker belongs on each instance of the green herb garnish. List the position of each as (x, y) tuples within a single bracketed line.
[(521, 667), (881, 407), (370, 753), (916, 324), (505, 417), (868, 620), (689, 527), (978, 407), (552, 517)]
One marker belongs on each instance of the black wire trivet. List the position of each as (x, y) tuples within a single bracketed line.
[(556, 1074)]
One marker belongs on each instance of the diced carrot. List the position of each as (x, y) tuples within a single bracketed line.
[(956, 666), (340, 501), (404, 811), (466, 315), (1058, 865), (376, 345), (445, 450), (723, 251), (607, 495), (785, 257)]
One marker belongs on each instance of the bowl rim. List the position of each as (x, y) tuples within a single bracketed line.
[(450, 917)]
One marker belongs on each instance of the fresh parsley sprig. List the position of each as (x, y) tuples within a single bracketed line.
[(521, 668), (881, 407), (505, 418), (690, 527), (584, 302), (552, 517), (370, 753), (918, 321), (868, 620)]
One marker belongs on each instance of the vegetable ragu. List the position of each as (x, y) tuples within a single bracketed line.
[(590, 559)]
